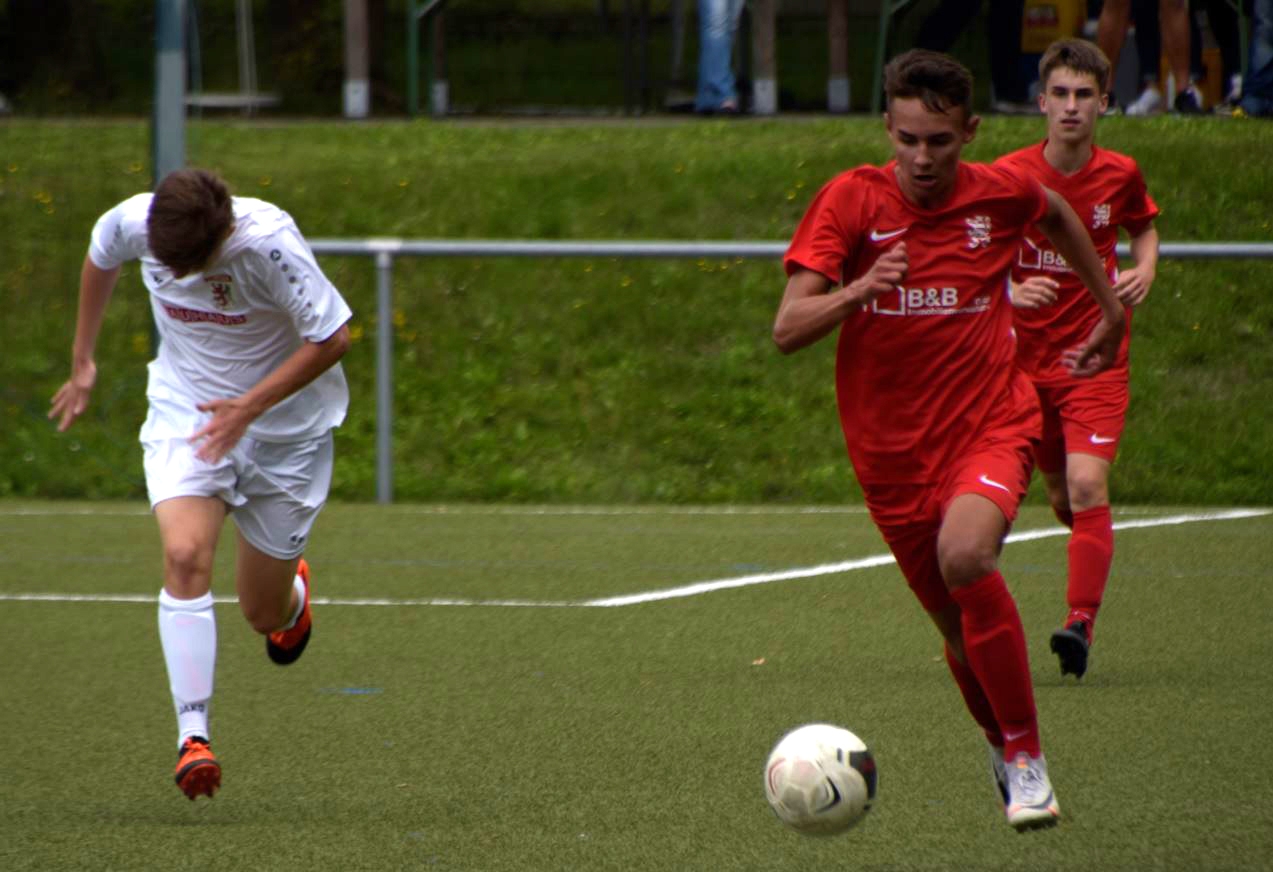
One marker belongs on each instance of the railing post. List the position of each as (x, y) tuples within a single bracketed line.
[(764, 82), (838, 60), (413, 59), (384, 377)]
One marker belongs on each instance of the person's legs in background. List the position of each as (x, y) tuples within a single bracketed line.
[(1150, 100), (1003, 30), (717, 24), (1223, 21), (1111, 32), (1173, 22), (1257, 85)]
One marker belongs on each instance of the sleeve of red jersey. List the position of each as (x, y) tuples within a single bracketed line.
[(1033, 201), (829, 231), (1139, 209)]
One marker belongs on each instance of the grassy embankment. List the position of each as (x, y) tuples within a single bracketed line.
[(606, 380)]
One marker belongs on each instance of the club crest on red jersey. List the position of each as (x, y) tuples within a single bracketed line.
[(978, 231), (1100, 216)]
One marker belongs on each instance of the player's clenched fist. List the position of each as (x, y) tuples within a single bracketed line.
[(883, 276)]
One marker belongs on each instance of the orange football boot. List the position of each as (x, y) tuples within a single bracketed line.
[(286, 646), (198, 771)]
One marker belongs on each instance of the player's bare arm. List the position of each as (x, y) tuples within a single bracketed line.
[(1132, 286), (96, 287), (232, 416), (1068, 235), (1034, 293), (810, 309)]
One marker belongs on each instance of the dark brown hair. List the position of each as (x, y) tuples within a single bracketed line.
[(190, 215), (938, 80), (1078, 55)]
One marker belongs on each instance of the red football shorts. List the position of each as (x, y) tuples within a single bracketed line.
[(909, 516), (1084, 416)]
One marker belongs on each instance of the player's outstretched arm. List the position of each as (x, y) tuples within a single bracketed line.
[(96, 287), (232, 416), (1069, 237), (1133, 284), (810, 309)]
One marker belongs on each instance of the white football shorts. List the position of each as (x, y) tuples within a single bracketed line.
[(275, 490)]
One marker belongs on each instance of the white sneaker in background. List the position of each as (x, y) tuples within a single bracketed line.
[(1150, 102), (1235, 90)]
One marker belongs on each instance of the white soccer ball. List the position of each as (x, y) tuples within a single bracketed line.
[(820, 779)]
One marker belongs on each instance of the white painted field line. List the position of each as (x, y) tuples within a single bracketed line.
[(681, 591), (884, 559)]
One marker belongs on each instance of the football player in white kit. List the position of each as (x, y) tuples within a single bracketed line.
[(243, 395)]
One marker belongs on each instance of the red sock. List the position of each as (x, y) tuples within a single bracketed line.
[(994, 645), (975, 699), (1091, 553)]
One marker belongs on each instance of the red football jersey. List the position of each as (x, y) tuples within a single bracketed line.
[(922, 370), (1108, 193)]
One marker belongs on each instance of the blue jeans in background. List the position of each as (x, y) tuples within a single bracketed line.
[(1257, 85), (717, 24)]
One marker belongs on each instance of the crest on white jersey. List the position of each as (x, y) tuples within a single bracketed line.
[(978, 231), (222, 285)]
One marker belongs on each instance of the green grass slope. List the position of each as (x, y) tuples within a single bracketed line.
[(603, 379)]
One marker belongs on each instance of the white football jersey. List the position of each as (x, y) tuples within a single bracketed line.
[(224, 329)]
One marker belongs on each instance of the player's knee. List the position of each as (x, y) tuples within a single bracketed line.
[(186, 565), (1087, 491), (965, 562)]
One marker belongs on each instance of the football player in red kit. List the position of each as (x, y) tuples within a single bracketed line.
[(1082, 417), (911, 261)]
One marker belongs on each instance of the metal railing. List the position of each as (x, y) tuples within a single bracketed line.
[(383, 252)]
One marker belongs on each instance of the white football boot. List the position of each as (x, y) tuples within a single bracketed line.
[(1031, 803)]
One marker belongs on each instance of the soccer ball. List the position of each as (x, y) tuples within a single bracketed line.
[(820, 779)]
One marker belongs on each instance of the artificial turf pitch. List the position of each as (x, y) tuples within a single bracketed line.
[(513, 688)]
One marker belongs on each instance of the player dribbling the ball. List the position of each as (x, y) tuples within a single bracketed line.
[(910, 261)]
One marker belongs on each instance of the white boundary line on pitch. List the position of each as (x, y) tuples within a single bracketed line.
[(681, 591)]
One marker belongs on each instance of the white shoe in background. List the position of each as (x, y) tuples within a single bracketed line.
[(1150, 102)]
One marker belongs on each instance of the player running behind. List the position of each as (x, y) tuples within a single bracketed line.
[(243, 394), (1082, 417), (910, 261)]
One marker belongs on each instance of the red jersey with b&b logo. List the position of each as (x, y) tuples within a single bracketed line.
[(924, 369), (1107, 193)]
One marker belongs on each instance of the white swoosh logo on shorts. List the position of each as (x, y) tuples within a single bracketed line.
[(1100, 440), (877, 236), (990, 481)]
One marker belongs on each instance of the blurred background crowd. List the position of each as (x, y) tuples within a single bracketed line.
[(293, 57)]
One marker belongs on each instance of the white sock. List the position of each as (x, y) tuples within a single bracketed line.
[(298, 585), (188, 634)]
